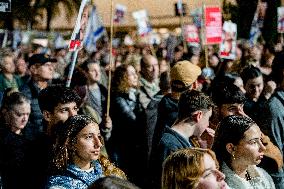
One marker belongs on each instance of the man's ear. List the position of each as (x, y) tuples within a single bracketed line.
[(195, 85), (46, 115), (197, 116), (230, 148)]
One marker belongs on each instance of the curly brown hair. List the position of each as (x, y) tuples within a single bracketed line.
[(120, 79)]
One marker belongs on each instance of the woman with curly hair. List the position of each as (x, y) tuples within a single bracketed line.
[(193, 168), (125, 146), (77, 161)]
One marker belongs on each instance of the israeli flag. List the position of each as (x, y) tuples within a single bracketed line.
[(95, 30)]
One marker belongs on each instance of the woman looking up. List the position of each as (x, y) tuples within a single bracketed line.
[(77, 160)]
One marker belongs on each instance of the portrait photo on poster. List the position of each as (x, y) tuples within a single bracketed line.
[(79, 31), (228, 44)]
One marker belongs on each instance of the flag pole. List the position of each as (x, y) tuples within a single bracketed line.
[(110, 58), (204, 35), (75, 54), (180, 10), (69, 78)]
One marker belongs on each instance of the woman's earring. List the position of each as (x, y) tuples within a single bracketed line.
[(234, 158)]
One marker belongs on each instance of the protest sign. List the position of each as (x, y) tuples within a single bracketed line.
[(5, 5), (119, 15), (143, 24), (79, 31), (213, 25), (191, 34), (229, 41), (280, 24)]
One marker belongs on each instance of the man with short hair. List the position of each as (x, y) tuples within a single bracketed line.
[(183, 76), (42, 68), (93, 93), (194, 111), (57, 104), (230, 101)]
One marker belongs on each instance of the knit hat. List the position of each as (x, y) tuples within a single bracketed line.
[(183, 74)]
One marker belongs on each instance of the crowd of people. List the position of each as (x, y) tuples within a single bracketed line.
[(166, 119)]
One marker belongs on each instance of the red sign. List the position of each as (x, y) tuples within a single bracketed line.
[(213, 25), (191, 34)]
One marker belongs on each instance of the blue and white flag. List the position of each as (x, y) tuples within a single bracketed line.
[(257, 22), (17, 39), (95, 30)]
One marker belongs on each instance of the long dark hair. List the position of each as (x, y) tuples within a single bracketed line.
[(65, 138)]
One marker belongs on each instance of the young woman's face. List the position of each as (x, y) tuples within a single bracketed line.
[(132, 76), (89, 143), (212, 178), (250, 149), (18, 116)]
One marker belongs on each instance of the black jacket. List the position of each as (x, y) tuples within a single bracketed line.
[(126, 145)]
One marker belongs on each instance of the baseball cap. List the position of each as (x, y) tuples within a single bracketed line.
[(40, 59), (183, 74)]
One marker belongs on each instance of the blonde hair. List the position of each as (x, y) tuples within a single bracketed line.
[(183, 168)]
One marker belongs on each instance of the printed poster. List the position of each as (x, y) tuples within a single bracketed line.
[(191, 34), (280, 23), (119, 15), (5, 5), (213, 25), (143, 24), (79, 31), (229, 41)]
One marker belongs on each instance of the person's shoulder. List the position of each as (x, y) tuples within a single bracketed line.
[(278, 94), (265, 177), (276, 102), (26, 89), (59, 181), (103, 89), (169, 137), (262, 172)]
